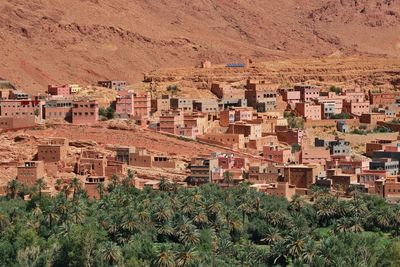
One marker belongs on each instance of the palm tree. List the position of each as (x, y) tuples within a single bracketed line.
[(162, 214), (111, 253), (246, 208), (186, 256), (295, 244), (228, 178), (58, 183), (296, 203), (129, 223), (50, 217), (164, 185), (40, 184), (164, 258), (77, 213), (13, 187), (75, 184), (100, 189), (272, 236)]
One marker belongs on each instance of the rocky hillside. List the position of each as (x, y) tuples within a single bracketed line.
[(58, 41)]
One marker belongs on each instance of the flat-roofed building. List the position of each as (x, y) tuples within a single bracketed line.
[(30, 171), (85, 112), (54, 150)]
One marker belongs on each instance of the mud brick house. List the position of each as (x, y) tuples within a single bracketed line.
[(387, 164), (161, 104), (339, 147), (291, 136), (353, 95), (379, 144), (309, 111), (117, 85), (252, 131), (13, 123), (142, 105), (60, 90), (60, 109), (301, 176), (235, 141), (85, 112), (141, 158), (307, 92), (206, 106), (200, 170), (276, 154), (383, 98), (91, 185), (230, 161), (261, 100), (235, 114), (122, 154), (18, 95), (224, 91), (315, 155), (278, 189), (356, 108), (30, 172), (53, 150), (348, 166), (21, 108), (372, 118), (369, 177), (197, 122), (227, 103), (92, 163), (171, 122), (290, 96), (389, 188), (185, 105), (264, 172), (134, 105)]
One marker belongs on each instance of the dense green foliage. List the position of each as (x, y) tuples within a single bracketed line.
[(335, 89), (107, 113), (341, 116), (203, 226)]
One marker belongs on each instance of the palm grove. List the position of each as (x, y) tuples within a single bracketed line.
[(201, 226)]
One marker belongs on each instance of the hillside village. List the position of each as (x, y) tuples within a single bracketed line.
[(283, 141)]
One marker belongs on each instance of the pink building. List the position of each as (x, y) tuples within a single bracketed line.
[(172, 122), (309, 111), (85, 112), (356, 108), (290, 96), (228, 162), (235, 114), (354, 95), (21, 108), (62, 90), (315, 155), (277, 155), (135, 105), (307, 92)]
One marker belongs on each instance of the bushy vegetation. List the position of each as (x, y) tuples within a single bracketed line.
[(341, 116), (173, 89), (335, 89), (202, 226), (363, 131), (107, 113), (293, 121)]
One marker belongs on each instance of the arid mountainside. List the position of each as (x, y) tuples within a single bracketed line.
[(58, 41)]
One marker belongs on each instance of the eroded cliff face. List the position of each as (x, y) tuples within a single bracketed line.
[(57, 41)]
